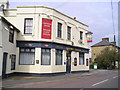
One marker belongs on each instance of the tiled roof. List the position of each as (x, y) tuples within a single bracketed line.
[(102, 43)]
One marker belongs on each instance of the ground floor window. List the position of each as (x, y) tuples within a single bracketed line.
[(59, 57), (81, 58), (45, 56), (13, 60), (27, 56)]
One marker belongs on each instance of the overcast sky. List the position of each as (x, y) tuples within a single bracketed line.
[(97, 15)]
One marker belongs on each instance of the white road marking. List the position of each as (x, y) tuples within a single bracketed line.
[(115, 77), (100, 82)]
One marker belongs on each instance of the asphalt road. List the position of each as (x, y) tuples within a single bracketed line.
[(94, 79)]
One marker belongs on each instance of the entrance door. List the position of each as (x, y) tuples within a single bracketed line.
[(68, 63), (4, 64)]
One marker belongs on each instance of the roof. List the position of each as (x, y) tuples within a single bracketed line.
[(6, 21), (102, 43)]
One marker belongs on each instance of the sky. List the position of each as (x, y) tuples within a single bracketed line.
[(96, 14)]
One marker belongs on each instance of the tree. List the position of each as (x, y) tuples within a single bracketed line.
[(106, 59)]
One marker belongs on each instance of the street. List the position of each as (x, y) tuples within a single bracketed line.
[(92, 79)]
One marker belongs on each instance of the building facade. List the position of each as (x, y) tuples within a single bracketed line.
[(8, 35), (100, 46), (48, 42)]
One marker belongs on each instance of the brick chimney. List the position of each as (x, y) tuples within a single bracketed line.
[(114, 43), (105, 39)]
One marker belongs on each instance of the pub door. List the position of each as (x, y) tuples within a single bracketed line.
[(68, 62), (4, 64)]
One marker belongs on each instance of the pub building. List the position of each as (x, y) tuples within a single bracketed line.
[(49, 42)]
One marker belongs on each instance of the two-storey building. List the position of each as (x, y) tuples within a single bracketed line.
[(49, 41), (8, 36)]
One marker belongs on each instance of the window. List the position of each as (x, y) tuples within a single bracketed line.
[(13, 60), (69, 33), (59, 32), (59, 57), (81, 37), (81, 58), (45, 56), (27, 56), (11, 35), (28, 24)]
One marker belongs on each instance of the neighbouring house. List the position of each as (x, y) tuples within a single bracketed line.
[(8, 36), (98, 47), (49, 42)]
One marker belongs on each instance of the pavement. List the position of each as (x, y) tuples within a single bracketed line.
[(51, 81)]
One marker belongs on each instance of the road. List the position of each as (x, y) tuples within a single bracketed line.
[(94, 79)]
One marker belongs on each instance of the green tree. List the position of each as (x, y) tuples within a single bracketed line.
[(107, 59)]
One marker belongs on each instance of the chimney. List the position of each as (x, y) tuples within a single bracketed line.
[(75, 18), (105, 39), (114, 43)]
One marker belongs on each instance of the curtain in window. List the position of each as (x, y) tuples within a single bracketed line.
[(81, 61), (28, 25), (58, 57), (13, 59), (27, 56), (46, 56)]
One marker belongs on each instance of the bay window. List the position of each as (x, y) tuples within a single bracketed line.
[(45, 56), (27, 56), (59, 57)]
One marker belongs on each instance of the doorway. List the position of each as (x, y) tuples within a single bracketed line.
[(4, 64), (68, 63)]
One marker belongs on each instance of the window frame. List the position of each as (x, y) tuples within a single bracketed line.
[(14, 62), (68, 33), (11, 35), (26, 52), (25, 19), (81, 36), (57, 53), (83, 56), (49, 55), (59, 30)]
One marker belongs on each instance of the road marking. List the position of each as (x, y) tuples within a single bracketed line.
[(115, 77), (100, 82)]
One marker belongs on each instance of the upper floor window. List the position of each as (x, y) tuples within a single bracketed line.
[(59, 30), (28, 25), (11, 35), (69, 33), (81, 37)]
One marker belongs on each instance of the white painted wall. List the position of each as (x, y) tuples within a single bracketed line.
[(8, 47), (41, 12), (17, 16), (1, 55)]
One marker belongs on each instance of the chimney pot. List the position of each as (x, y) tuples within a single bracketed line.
[(75, 18), (105, 39)]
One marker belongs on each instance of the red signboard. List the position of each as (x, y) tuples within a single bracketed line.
[(89, 41), (46, 28)]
